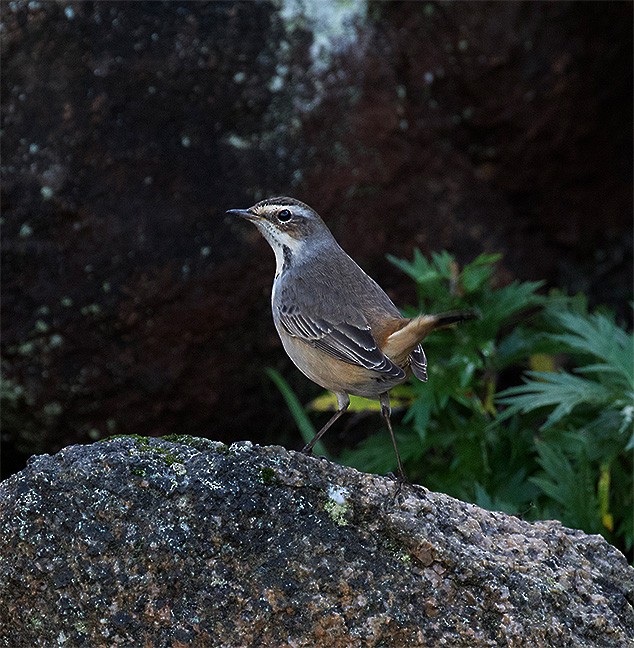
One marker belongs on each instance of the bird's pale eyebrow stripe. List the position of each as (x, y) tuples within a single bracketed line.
[(282, 202)]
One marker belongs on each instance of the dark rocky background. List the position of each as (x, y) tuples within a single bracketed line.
[(132, 305)]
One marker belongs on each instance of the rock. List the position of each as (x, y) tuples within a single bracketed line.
[(188, 542)]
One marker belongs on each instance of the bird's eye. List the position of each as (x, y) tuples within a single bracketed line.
[(284, 216)]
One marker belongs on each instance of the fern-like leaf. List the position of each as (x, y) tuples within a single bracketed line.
[(598, 336), (543, 389)]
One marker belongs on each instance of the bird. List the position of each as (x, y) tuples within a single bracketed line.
[(336, 324)]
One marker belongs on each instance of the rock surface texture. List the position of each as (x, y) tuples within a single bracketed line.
[(146, 542)]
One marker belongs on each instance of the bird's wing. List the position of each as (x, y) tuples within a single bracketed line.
[(418, 363), (347, 342)]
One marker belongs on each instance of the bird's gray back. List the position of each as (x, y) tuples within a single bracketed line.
[(330, 285)]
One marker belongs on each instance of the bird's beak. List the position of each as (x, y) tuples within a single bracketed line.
[(244, 213)]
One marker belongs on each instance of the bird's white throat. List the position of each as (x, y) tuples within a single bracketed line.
[(284, 246)]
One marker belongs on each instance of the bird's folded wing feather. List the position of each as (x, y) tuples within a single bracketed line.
[(347, 342), (418, 363)]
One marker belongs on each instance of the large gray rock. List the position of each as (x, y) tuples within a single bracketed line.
[(147, 542)]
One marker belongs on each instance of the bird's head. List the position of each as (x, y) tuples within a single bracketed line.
[(291, 227)]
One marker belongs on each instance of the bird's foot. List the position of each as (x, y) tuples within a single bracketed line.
[(401, 480)]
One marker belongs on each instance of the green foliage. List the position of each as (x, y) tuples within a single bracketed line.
[(584, 452), (559, 445), (561, 389), (604, 352)]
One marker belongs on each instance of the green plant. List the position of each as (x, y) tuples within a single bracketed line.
[(558, 445), (583, 449)]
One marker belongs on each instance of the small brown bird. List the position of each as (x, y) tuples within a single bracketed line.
[(336, 323)]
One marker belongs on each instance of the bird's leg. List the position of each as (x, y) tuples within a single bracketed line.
[(386, 410), (342, 401)]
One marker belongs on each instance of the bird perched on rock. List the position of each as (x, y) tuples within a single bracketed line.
[(335, 322)]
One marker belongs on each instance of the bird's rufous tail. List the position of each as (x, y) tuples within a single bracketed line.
[(402, 342)]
